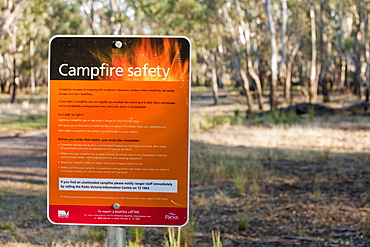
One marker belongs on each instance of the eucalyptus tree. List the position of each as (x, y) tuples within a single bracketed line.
[(343, 40), (9, 12), (367, 52), (245, 46), (325, 48), (313, 80), (358, 46), (274, 54)]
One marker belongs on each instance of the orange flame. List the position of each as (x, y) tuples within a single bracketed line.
[(148, 61)]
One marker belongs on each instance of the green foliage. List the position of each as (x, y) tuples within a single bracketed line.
[(10, 227), (311, 113), (28, 122), (213, 26), (286, 117), (133, 244), (97, 233), (207, 122), (243, 221), (238, 119), (325, 154), (64, 17), (189, 231), (240, 180), (136, 234), (349, 43)]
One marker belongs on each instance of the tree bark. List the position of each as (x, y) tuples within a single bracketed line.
[(214, 79), (313, 81), (288, 81), (32, 63), (274, 55), (358, 52), (343, 57), (15, 81), (246, 86), (323, 81), (284, 21), (367, 53), (245, 32)]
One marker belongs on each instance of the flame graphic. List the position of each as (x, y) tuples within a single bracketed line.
[(162, 53)]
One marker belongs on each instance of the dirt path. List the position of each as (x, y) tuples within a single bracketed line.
[(338, 138), (307, 185), (23, 156)]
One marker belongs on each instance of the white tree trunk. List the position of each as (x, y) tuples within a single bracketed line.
[(313, 81), (245, 37), (214, 78), (284, 22), (274, 54), (367, 55)]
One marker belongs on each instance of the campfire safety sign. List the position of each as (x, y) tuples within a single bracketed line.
[(118, 130)]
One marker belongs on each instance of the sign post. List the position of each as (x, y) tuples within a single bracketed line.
[(118, 130), (116, 236)]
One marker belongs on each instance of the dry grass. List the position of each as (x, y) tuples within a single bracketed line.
[(301, 184)]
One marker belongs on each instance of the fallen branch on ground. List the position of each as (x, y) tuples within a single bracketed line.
[(362, 108)]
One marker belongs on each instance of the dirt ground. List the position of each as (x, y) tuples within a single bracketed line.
[(313, 187)]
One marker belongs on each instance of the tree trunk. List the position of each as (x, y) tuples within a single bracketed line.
[(32, 63), (367, 53), (246, 87), (313, 81), (214, 79), (288, 81), (15, 81), (274, 55), (358, 53), (252, 73), (343, 57), (343, 72), (282, 65), (245, 32), (323, 81)]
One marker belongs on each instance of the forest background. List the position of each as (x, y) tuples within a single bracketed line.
[(256, 47), (280, 140)]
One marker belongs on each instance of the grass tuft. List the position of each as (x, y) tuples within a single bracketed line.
[(96, 233), (173, 239), (216, 239)]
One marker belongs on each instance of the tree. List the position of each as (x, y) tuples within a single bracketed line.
[(324, 50), (343, 34), (282, 67), (358, 46), (367, 53), (9, 11), (245, 37), (309, 45), (15, 49), (274, 54), (313, 81)]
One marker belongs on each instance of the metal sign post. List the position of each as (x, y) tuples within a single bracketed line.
[(116, 236)]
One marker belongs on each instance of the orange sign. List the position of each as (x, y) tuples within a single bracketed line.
[(118, 130)]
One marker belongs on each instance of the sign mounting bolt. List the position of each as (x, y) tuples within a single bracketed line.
[(116, 206)]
